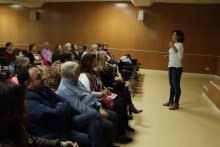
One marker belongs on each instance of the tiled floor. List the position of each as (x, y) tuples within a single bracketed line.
[(194, 124)]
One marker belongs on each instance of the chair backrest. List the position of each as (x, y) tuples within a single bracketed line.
[(134, 61), (126, 74), (120, 65), (130, 68), (2, 57)]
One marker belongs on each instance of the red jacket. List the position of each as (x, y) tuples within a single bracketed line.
[(8, 57)]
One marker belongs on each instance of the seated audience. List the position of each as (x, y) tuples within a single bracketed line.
[(54, 75), (109, 80), (92, 81), (36, 59), (87, 49), (99, 46), (8, 52), (68, 49), (19, 63), (75, 52), (46, 53), (16, 53), (56, 54), (110, 56), (83, 101), (105, 48), (50, 115), (58, 47), (94, 48), (13, 111)]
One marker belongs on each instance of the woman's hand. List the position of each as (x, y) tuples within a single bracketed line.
[(119, 79), (103, 113), (106, 92), (173, 47), (165, 55), (69, 144), (170, 44)]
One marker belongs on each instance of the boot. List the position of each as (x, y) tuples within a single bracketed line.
[(174, 106), (132, 109), (124, 140), (168, 103), (129, 129), (129, 117)]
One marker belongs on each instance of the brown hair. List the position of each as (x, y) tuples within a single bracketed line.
[(13, 111), (86, 62)]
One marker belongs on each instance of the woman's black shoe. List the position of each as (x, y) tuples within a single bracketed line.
[(129, 117), (129, 129), (124, 140), (132, 109)]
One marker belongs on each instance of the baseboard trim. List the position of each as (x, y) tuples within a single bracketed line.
[(185, 74)]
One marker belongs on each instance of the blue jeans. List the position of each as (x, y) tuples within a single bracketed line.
[(174, 80), (88, 124)]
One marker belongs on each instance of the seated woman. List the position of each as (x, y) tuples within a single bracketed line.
[(54, 75), (12, 130), (16, 53), (109, 80), (36, 59), (19, 63), (92, 81), (75, 52), (57, 51)]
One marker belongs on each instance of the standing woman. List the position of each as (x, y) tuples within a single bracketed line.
[(175, 68)]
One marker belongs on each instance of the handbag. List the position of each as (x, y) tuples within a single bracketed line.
[(108, 102)]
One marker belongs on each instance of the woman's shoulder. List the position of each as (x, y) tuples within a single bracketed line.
[(82, 76)]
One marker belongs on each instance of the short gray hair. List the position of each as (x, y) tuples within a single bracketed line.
[(68, 68), (67, 45)]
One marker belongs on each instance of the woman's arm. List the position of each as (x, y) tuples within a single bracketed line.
[(85, 81)]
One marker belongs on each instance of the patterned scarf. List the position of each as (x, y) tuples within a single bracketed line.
[(95, 81)]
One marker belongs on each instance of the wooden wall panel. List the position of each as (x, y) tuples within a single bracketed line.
[(55, 30), (23, 16), (34, 32), (4, 25), (13, 24), (116, 23), (44, 25)]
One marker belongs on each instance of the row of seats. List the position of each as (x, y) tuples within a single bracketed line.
[(130, 72)]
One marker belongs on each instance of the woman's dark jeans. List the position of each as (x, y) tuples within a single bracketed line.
[(174, 79)]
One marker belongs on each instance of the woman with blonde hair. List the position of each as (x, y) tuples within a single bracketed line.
[(110, 80), (19, 63)]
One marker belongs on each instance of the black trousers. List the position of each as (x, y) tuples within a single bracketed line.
[(120, 107)]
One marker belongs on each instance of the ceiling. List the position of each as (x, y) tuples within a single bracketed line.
[(143, 3)]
